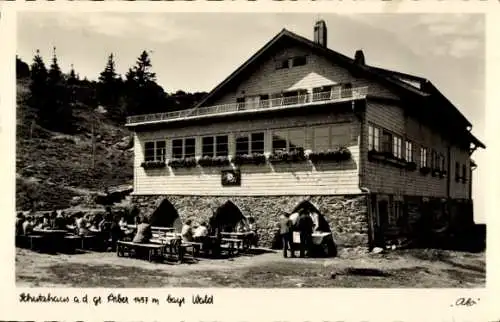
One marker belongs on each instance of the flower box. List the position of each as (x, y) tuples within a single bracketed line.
[(374, 155), (387, 157), (255, 158), (287, 157), (411, 166), (153, 164), (183, 163), (425, 170), (341, 154), (435, 172), (218, 161)]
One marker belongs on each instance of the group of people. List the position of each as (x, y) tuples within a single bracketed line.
[(110, 226), (306, 224), (113, 226), (143, 233), (50, 220)]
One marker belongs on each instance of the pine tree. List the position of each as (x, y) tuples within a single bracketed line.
[(55, 74), (58, 114), (72, 82), (38, 86), (143, 74), (108, 75), (72, 79), (22, 69), (144, 95), (109, 90)]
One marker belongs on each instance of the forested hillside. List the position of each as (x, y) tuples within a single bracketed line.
[(71, 142)]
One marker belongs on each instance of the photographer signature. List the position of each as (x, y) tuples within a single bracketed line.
[(465, 301)]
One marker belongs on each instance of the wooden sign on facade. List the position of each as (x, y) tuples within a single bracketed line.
[(231, 177)]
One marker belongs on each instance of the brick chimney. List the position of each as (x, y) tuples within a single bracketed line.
[(320, 33), (359, 57)]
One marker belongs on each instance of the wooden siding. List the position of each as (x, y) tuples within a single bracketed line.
[(382, 178), (276, 179), (316, 73)]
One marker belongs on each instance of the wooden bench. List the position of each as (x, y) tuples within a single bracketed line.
[(35, 241), (88, 241), (177, 247), (71, 242), (195, 246), (154, 250), (233, 244)]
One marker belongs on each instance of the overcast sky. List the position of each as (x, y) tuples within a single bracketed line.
[(196, 51)]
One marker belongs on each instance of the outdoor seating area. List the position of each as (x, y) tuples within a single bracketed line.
[(57, 232)]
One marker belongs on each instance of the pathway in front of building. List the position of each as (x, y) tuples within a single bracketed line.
[(451, 269)]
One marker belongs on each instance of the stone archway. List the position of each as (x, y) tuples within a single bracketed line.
[(226, 217), (166, 215), (310, 207)]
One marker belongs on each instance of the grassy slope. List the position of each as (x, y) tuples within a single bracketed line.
[(52, 168)]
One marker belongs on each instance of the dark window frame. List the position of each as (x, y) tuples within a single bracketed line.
[(183, 147)]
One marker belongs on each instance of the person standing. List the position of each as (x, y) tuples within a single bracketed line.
[(305, 225), (286, 234), (19, 223), (187, 231), (28, 226), (116, 232)]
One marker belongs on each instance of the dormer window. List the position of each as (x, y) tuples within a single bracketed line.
[(299, 61)]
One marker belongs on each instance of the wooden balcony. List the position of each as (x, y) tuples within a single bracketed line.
[(285, 102)]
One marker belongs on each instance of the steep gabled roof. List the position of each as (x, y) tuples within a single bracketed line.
[(332, 55), (396, 81)]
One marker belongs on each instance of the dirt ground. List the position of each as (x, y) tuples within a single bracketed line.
[(418, 268)]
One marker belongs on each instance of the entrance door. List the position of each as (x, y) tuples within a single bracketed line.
[(382, 220), (383, 213)]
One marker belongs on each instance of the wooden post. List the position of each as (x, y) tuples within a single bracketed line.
[(93, 144), (31, 129)]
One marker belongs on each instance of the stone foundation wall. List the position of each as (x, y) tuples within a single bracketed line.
[(426, 221), (346, 215)]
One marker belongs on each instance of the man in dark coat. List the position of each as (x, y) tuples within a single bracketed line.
[(286, 234), (305, 226)]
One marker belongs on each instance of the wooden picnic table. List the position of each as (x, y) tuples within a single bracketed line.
[(237, 234), (167, 229), (243, 236), (49, 231), (319, 237), (180, 247), (125, 247), (47, 239)]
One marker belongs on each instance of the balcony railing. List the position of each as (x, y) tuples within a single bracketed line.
[(336, 95)]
